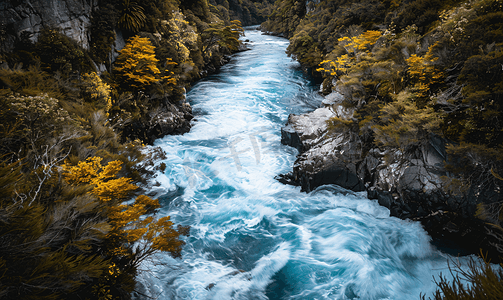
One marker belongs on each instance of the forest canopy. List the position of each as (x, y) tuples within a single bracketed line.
[(409, 71), (75, 218)]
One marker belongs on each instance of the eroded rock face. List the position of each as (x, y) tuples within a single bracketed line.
[(408, 182), (337, 158), (165, 120), (72, 17), (324, 159)]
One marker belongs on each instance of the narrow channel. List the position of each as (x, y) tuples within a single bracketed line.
[(255, 238)]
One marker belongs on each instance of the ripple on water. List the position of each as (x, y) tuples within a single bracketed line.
[(255, 238)]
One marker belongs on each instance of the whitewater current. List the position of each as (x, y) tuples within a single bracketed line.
[(253, 237)]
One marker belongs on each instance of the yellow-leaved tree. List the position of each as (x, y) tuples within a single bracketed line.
[(404, 123), (131, 223), (423, 72), (96, 90), (136, 66), (356, 47), (361, 42)]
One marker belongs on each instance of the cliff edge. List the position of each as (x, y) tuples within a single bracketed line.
[(410, 182)]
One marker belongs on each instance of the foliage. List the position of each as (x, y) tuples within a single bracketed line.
[(404, 123), (103, 21), (129, 222), (37, 112), (355, 47), (106, 186), (330, 68), (37, 133), (426, 68), (84, 238), (47, 251), (423, 72), (226, 37), (97, 90), (199, 8), (478, 120), (361, 42), (285, 17), (422, 13), (180, 33), (57, 52), (372, 65), (485, 282), (31, 120), (477, 165), (136, 66), (305, 49), (249, 12), (132, 16), (31, 81)]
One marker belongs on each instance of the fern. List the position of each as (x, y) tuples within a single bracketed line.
[(132, 16)]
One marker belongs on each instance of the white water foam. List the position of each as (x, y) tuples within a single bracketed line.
[(255, 238)]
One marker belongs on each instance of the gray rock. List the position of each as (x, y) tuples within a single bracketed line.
[(325, 159), (311, 127), (290, 138), (161, 121), (332, 99), (412, 181), (72, 17), (409, 182)]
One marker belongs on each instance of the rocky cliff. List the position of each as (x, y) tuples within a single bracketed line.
[(25, 20), (409, 182), (29, 17), (165, 120)]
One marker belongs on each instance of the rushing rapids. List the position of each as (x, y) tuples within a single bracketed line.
[(255, 238)]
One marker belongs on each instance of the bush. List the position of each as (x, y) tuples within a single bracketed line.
[(102, 32), (58, 52), (484, 281)]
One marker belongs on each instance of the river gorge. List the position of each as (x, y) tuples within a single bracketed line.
[(253, 237)]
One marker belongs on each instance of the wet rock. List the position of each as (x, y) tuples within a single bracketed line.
[(333, 161), (323, 159), (290, 138), (332, 99), (164, 120), (286, 178), (311, 127), (458, 235), (408, 182)]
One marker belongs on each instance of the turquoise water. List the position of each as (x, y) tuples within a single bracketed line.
[(255, 238)]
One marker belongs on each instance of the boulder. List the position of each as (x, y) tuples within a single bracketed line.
[(290, 138), (324, 159), (409, 182), (309, 128), (164, 120), (332, 161)]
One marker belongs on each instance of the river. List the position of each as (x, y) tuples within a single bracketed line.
[(254, 238)]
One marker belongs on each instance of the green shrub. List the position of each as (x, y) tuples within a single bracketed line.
[(58, 52), (131, 16), (102, 32)]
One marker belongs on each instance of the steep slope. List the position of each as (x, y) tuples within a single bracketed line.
[(83, 85), (413, 108)]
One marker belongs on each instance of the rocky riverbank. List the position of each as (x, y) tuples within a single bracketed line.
[(156, 123), (90, 37), (410, 182)]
